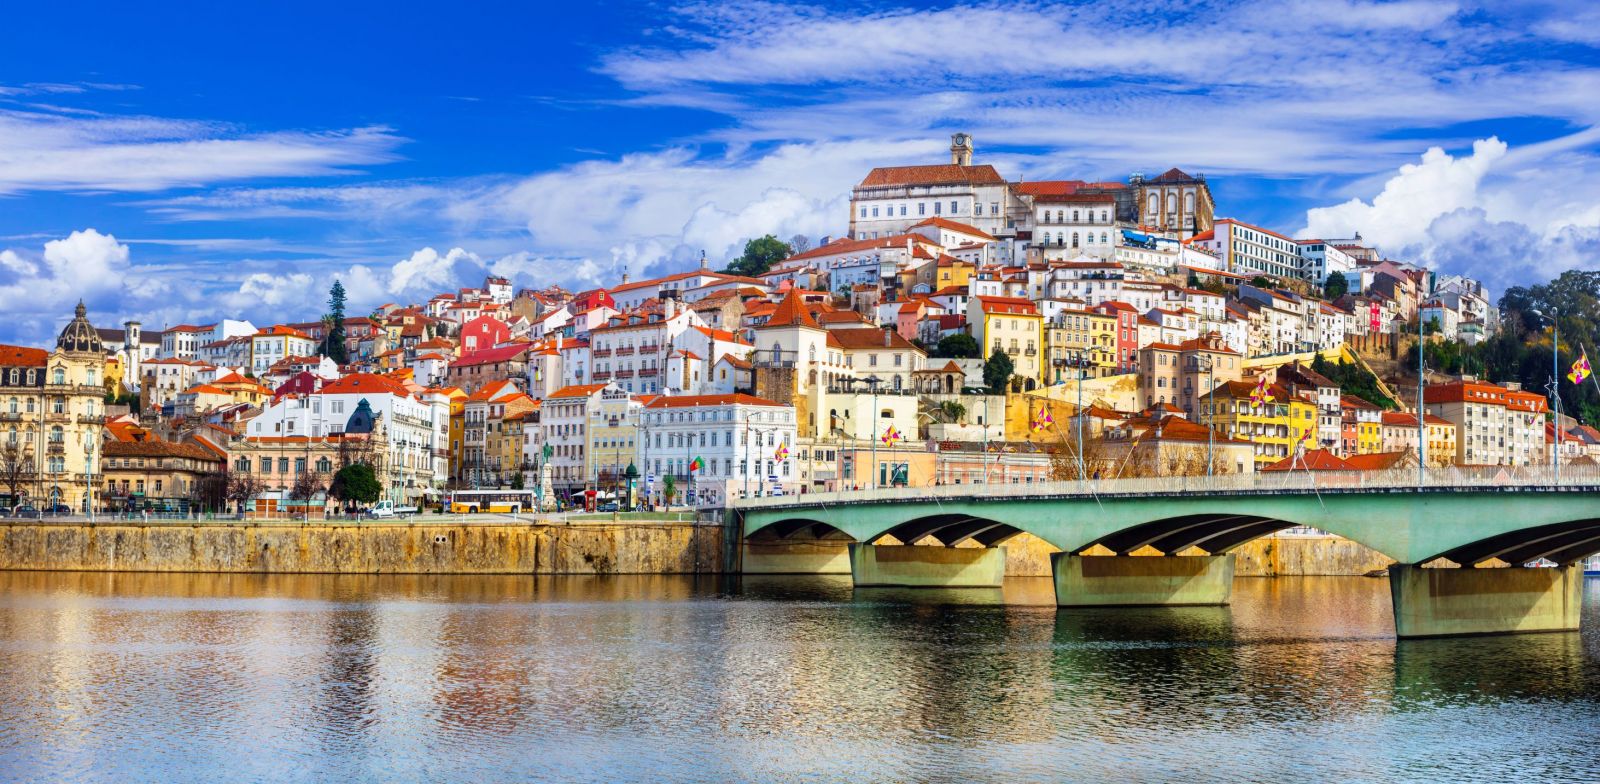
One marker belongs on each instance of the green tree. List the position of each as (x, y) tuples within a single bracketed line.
[(759, 256), (356, 482), (957, 346), (951, 411), (997, 372), (1336, 286), (669, 488), (333, 326), (1261, 282), (516, 481)]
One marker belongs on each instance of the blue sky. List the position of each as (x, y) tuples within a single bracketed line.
[(186, 165)]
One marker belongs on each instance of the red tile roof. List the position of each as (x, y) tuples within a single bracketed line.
[(23, 356), (938, 174), (689, 401), (490, 356), (365, 384), (951, 225), (1013, 305), (792, 312)]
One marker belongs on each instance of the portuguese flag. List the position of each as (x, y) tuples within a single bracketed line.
[(697, 465)]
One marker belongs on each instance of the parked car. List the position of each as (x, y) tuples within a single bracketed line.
[(24, 510), (58, 510), (609, 506)]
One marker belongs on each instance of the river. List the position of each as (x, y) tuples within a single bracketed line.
[(184, 677)]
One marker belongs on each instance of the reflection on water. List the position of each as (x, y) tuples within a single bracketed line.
[(200, 677)]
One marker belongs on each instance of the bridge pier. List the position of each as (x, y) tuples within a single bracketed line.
[(1466, 601), (1132, 580), (915, 566), (803, 556)]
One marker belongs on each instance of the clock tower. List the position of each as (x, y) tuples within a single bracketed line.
[(961, 149)]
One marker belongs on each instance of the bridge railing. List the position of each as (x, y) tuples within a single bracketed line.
[(1460, 477)]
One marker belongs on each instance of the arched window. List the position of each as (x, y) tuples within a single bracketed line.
[(60, 376), (1074, 239), (1172, 202), (1155, 205), (1074, 216), (13, 407), (57, 435), (1188, 203)]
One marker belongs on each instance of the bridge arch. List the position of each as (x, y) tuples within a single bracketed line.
[(1564, 543), (799, 528), (952, 529)]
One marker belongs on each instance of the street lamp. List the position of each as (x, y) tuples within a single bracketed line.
[(1554, 387), (1208, 364), (873, 381)]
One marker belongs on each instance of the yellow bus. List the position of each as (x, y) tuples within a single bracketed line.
[(497, 501)]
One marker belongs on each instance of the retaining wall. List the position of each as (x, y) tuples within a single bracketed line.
[(364, 548)]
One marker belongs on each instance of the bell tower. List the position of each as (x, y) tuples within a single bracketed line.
[(130, 355), (961, 149)]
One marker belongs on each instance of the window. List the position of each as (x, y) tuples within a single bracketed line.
[(922, 209), (60, 376), (937, 207)]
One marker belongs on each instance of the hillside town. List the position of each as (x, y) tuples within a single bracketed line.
[(962, 328)]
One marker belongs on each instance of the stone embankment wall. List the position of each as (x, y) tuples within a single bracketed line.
[(365, 548)]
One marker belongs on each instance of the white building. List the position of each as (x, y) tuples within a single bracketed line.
[(1249, 250), (892, 199), (1318, 260), (1076, 225), (416, 429), (739, 441), (276, 343)]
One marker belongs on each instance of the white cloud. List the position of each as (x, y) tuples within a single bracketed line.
[(428, 272), (1410, 200), (52, 150), (1492, 214)]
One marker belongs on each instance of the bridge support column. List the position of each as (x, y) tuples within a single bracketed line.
[(805, 556), (1129, 580), (927, 567), (1451, 602)]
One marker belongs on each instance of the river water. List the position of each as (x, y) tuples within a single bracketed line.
[(148, 677)]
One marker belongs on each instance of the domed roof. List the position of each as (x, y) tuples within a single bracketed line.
[(79, 335)]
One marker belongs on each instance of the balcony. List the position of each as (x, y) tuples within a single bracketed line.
[(7, 416), (1030, 352), (600, 353), (625, 351), (650, 349), (55, 448), (602, 376), (625, 374)]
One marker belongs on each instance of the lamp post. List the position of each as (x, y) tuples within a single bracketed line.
[(1422, 433), (1208, 364), (873, 381), (1554, 388)]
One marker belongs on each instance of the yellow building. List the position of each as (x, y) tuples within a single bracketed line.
[(52, 417), (613, 437), (1274, 425), (1080, 335), (458, 401), (953, 272), (1014, 326)]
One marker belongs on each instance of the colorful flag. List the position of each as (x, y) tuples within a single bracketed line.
[(1260, 394), (697, 465), (1580, 369), (781, 453), (891, 435), (1044, 419)]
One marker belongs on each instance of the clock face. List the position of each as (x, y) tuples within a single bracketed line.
[(961, 139)]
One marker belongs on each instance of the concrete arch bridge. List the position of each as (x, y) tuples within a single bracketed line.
[(1194, 523)]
